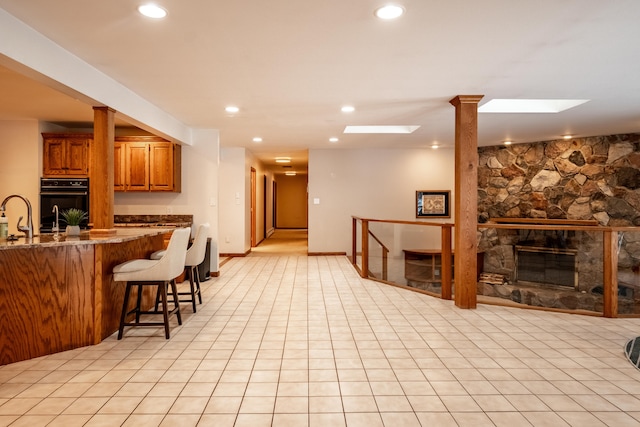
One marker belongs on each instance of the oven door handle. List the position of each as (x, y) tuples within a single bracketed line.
[(64, 193)]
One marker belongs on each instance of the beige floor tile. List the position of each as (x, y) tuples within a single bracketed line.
[(290, 420), (359, 404), (293, 340), (253, 420), (33, 420), (368, 419), (325, 420), (217, 420), (138, 420), (292, 404), (69, 420), (85, 405)]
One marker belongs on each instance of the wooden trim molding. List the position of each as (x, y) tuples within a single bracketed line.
[(326, 254)]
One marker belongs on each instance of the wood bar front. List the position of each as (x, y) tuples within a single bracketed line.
[(57, 297)]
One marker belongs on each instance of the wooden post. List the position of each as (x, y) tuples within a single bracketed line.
[(466, 200), (445, 262), (354, 236), (365, 249), (610, 270), (101, 173)]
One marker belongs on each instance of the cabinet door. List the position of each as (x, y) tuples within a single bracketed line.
[(53, 161), (161, 166), (137, 166), (77, 156), (118, 167)]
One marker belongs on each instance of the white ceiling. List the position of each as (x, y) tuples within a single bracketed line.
[(290, 65)]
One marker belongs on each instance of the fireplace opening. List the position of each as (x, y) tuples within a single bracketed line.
[(546, 266)]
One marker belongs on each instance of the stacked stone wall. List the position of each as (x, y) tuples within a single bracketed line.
[(583, 178)]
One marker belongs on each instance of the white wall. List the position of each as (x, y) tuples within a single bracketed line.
[(370, 183), (232, 201), (21, 143), (199, 196)]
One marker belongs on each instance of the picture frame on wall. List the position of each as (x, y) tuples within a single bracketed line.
[(433, 204)]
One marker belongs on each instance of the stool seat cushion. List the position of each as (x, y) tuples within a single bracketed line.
[(167, 268), (158, 254), (139, 270)]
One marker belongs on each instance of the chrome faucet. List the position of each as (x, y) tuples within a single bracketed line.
[(26, 229), (56, 224)]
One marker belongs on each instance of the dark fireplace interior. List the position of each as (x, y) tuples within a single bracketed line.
[(546, 266)]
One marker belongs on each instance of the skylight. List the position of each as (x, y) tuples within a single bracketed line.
[(529, 105), (381, 129)]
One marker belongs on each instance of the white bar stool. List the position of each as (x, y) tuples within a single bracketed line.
[(195, 256), (161, 273)]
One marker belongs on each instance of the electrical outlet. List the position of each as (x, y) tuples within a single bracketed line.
[(169, 210)]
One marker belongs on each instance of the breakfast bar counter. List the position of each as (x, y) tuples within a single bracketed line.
[(56, 295)]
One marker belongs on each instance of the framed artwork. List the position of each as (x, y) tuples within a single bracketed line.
[(432, 204)]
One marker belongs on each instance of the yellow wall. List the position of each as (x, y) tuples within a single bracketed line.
[(291, 201)]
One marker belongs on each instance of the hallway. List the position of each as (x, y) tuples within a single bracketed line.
[(283, 242), (304, 341)]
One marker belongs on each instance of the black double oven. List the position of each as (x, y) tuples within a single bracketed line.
[(65, 193)]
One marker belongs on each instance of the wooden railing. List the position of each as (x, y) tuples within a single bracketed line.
[(446, 263), (611, 240)]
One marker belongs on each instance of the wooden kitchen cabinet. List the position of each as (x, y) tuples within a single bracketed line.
[(66, 154), (146, 163)]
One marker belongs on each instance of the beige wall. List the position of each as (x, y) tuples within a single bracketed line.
[(20, 143), (291, 201), (370, 183)]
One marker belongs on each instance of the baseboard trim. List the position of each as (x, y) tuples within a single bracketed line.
[(326, 254), (231, 255)]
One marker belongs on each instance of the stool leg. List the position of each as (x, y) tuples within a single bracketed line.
[(174, 291), (197, 274), (125, 305), (193, 290), (139, 302), (157, 299), (162, 287)]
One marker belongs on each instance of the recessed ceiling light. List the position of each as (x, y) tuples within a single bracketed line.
[(348, 109), (257, 139), (567, 136), (435, 146), (283, 159), (231, 109), (381, 129), (390, 11), (333, 139), (507, 142), (151, 10), (290, 173), (529, 105)]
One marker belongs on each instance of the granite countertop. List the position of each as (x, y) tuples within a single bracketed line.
[(173, 221), (85, 238)]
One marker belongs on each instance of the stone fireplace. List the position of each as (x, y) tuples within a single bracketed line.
[(581, 179)]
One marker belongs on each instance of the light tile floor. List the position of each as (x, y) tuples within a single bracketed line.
[(304, 341)]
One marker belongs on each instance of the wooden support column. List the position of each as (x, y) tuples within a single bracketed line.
[(101, 172), (466, 200), (610, 270)]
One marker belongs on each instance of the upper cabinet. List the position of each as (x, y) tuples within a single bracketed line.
[(146, 163), (66, 154)]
